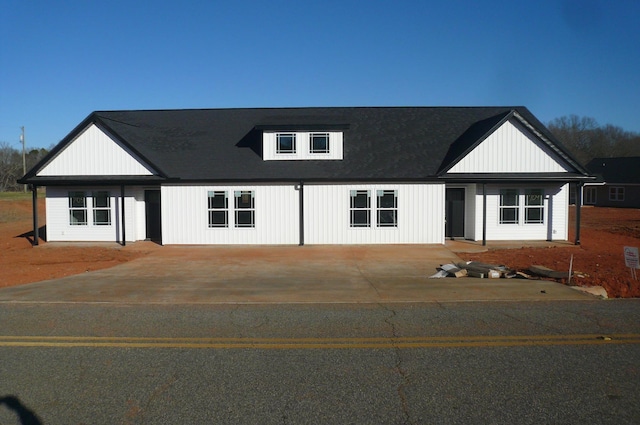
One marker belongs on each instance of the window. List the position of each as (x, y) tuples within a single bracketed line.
[(616, 193), (285, 143), (360, 209), (102, 208), (509, 206), (387, 204), (218, 209), (319, 142), (77, 208), (245, 208), (534, 206), (590, 195)]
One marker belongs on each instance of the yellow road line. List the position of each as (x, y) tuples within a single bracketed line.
[(319, 343)]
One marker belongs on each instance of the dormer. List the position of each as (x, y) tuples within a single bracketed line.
[(302, 143)]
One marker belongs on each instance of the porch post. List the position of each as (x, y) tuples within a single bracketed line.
[(484, 214), (34, 200), (578, 210), (122, 220), (301, 195)]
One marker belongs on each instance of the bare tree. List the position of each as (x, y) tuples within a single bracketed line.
[(10, 167), (586, 140)]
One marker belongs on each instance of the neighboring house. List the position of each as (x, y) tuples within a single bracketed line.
[(368, 175), (617, 182)]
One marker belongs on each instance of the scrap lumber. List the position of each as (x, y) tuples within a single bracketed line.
[(452, 270), (547, 272), (477, 269)]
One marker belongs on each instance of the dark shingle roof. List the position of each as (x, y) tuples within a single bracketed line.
[(383, 143), (616, 170)]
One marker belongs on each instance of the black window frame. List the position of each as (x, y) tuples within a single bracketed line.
[(245, 209), (508, 208), (101, 209), (218, 214), (534, 206), (289, 139), (78, 205), (360, 208), (386, 212), (312, 139)]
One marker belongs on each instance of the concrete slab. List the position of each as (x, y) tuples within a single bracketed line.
[(284, 274)]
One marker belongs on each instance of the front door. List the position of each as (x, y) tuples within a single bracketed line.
[(454, 213), (152, 214)]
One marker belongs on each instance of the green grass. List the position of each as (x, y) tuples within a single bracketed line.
[(15, 196)]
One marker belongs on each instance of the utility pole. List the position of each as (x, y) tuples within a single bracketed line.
[(24, 161)]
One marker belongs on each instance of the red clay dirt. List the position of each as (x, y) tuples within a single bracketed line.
[(599, 259)]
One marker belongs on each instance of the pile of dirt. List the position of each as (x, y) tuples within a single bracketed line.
[(598, 261)]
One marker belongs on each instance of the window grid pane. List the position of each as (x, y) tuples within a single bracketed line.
[(360, 211), (78, 217), (509, 211), (286, 143), (218, 209), (245, 214), (101, 208), (77, 209), (387, 203), (616, 193), (320, 143), (534, 206)]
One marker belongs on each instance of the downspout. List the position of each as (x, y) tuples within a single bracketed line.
[(34, 197), (484, 214), (301, 201), (578, 208), (123, 221)]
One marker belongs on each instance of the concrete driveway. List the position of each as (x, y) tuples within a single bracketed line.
[(284, 274)]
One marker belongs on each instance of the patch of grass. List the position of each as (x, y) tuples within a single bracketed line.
[(15, 196)]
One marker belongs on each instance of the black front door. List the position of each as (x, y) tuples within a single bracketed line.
[(152, 214), (454, 213)]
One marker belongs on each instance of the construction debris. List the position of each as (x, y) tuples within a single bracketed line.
[(547, 272), (494, 271)]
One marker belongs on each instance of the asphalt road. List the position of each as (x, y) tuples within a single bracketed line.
[(537, 362)]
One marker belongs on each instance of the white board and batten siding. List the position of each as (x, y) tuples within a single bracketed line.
[(326, 215), (59, 228), (510, 149), (94, 153), (556, 215), (185, 218), (420, 215)]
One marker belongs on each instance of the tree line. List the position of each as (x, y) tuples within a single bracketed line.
[(582, 136), (586, 139), (11, 165)]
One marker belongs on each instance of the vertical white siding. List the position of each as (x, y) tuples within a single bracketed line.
[(420, 215), (93, 153), (510, 149), (303, 147), (185, 217), (59, 229), (555, 226)]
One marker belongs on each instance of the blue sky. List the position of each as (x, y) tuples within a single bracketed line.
[(61, 60)]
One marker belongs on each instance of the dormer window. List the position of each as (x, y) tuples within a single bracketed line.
[(319, 142), (285, 143)]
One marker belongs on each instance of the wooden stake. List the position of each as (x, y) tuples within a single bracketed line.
[(570, 267)]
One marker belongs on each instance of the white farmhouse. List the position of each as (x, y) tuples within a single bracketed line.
[(362, 175)]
